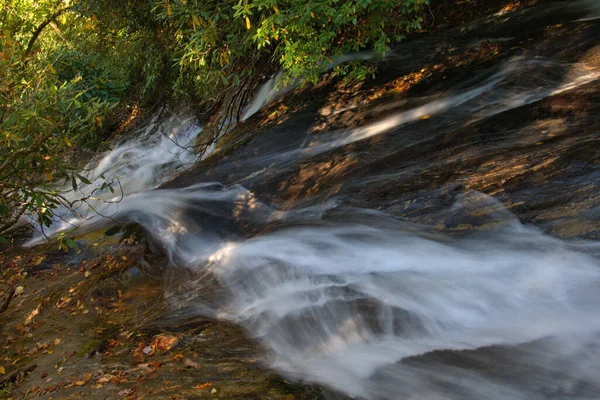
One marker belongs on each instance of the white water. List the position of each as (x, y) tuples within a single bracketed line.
[(364, 303), (360, 301), (355, 306), (503, 90), (273, 87), (140, 162)]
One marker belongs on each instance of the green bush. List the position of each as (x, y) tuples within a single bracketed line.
[(67, 63)]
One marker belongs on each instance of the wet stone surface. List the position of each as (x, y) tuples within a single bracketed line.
[(93, 325)]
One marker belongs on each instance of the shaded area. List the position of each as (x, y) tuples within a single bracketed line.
[(534, 151), (93, 324)]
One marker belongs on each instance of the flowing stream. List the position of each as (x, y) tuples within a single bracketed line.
[(361, 298)]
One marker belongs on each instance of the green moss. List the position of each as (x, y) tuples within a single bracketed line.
[(90, 347), (7, 391)]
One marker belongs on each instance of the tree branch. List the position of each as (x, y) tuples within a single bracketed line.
[(41, 27)]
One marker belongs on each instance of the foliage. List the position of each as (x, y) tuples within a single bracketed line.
[(67, 63), (50, 108), (219, 43)]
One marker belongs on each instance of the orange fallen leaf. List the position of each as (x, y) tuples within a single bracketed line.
[(203, 386), (163, 342), (85, 380)]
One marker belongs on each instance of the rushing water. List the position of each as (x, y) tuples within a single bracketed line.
[(140, 162), (361, 300)]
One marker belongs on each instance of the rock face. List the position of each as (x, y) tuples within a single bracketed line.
[(505, 106), (94, 325)]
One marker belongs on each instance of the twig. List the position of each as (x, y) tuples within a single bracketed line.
[(11, 294), (11, 376)]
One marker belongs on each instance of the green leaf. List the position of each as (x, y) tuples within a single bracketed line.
[(3, 240), (84, 179), (3, 209), (73, 182), (70, 243)]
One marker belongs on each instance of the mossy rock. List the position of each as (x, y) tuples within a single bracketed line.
[(90, 347)]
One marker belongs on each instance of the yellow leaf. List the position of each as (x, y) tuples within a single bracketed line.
[(312, 14), (48, 176), (51, 68), (32, 315), (276, 37), (67, 141), (168, 9), (99, 121), (248, 23), (276, 9), (196, 22), (2, 370)]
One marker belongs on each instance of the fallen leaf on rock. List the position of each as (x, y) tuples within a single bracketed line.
[(105, 378), (127, 392), (19, 290), (164, 342), (2, 370), (86, 379), (57, 342), (214, 391), (32, 315), (203, 386), (190, 364)]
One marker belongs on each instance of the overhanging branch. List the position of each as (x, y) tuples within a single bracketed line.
[(41, 27)]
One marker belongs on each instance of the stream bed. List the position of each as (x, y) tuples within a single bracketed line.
[(431, 233)]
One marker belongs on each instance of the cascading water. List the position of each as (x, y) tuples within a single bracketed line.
[(145, 159), (361, 300)]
